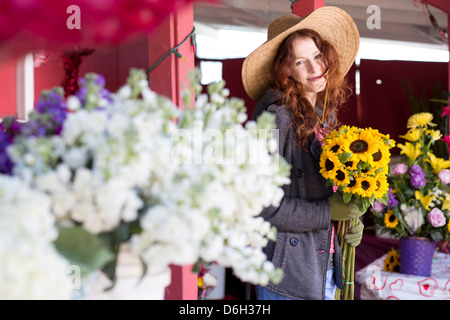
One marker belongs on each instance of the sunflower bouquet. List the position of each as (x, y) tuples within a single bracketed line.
[(419, 195), (355, 162)]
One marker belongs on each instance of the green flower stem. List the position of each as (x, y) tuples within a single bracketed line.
[(348, 261)]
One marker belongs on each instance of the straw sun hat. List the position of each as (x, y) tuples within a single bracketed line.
[(333, 24)]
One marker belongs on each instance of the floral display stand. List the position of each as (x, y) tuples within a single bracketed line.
[(377, 284)]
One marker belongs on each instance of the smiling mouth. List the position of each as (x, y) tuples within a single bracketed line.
[(315, 78)]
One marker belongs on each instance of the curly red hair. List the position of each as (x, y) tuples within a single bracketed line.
[(305, 118)]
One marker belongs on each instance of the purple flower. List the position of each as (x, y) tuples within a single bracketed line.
[(392, 202), (9, 128), (417, 177), (51, 113), (5, 162)]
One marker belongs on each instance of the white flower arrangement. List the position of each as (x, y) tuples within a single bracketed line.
[(182, 185), (31, 268)]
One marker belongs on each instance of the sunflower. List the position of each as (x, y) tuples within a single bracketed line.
[(333, 144), (342, 178), (381, 158), (365, 186), (390, 220), (392, 261), (329, 164), (420, 120), (362, 145), (382, 186)]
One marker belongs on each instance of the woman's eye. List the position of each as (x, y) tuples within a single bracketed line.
[(299, 63), (318, 56)]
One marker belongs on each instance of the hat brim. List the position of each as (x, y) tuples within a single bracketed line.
[(332, 23)]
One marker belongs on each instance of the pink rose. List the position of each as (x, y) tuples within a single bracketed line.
[(444, 175), (399, 168), (436, 218), (378, 206)]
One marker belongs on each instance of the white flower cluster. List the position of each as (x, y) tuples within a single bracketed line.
[(105, 155), (30, 266), (196, 178), (224, 176)]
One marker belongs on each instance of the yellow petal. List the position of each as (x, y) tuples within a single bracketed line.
[(412, 135), (425, 200)]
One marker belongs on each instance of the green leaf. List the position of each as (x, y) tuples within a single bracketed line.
[(82, 248), (436, 236), (347, 197), (384, 199), (344, 156)]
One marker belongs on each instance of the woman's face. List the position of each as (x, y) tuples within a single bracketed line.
[(309, 67)]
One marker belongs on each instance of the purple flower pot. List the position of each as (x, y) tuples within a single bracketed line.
[(416, 256)]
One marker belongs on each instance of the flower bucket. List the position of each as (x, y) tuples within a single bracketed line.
[(129, 284), (416, 256)]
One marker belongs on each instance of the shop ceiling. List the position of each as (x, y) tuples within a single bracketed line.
[(401, 20)]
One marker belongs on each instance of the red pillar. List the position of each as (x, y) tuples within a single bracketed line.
[(167, 78), (305, 7)]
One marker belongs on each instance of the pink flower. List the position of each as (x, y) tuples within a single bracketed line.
[(378, 206), (446, 139), (399, 168), (445, 111), (436, 218), (444, 175)]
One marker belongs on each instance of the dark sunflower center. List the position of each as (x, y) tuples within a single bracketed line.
[(340, 175), (352, 183), (391, 218), (359, 146), (348, 164), (335, 148), (376, 156), (329, 165), (365, 185)]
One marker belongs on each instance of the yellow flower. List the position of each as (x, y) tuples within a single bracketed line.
[(333, 144), (446, 204), (362, 145), (410, 150), (329, 164), (390, 221), (366, 186), (392, 261), (425, 200), (421, 119), (382, 157), (342, 178), (412, 135), (448, 226), (382, 186), (435, 135), (437, 163)]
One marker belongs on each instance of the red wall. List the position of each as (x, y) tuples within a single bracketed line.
[(8, 88), (385, 106), (113, 63)]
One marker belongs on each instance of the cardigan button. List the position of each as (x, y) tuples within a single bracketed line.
[(293, 242), (299, 173)]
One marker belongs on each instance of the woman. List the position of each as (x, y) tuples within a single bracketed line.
[(298, 75)]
